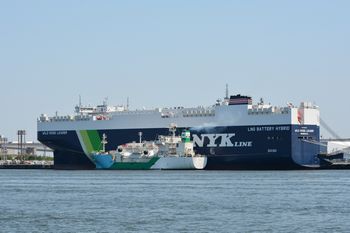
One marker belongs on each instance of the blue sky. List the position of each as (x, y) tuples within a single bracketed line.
[(171, 53)]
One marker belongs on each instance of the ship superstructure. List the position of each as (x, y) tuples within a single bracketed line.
[(233, 133)]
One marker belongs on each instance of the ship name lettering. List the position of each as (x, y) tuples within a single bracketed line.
[(212, 138), (54, 132), (282, 128), (251, 129), (243, 144), (226, 139), (265, 128), (218, 140)]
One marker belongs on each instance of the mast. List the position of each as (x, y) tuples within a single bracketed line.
[(226, 97), (105, 101), (140, 137), (104, 142), (172, 130)]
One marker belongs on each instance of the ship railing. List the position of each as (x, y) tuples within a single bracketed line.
[(135, 112), (61, 118), (255, 110), (64, 118), (82, 117), (198, 113)]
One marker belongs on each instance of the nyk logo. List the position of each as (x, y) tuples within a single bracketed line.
[(218, 140)]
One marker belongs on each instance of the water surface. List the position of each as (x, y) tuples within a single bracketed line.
[(174, 201)]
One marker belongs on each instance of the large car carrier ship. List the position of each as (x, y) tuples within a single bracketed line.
[(233, 133)]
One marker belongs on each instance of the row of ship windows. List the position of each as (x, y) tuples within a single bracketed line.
[(262, 113)]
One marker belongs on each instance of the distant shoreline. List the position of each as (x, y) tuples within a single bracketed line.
[(25, 166)]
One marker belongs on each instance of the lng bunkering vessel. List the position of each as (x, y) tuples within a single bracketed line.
[(166, 153), (233, 133)]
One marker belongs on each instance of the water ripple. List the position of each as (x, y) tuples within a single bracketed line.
[(174, 201)]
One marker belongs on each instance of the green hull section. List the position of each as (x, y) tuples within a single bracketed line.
[(134, 165), (90, 140)]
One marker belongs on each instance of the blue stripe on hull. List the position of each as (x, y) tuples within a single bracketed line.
[(271, 147)]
